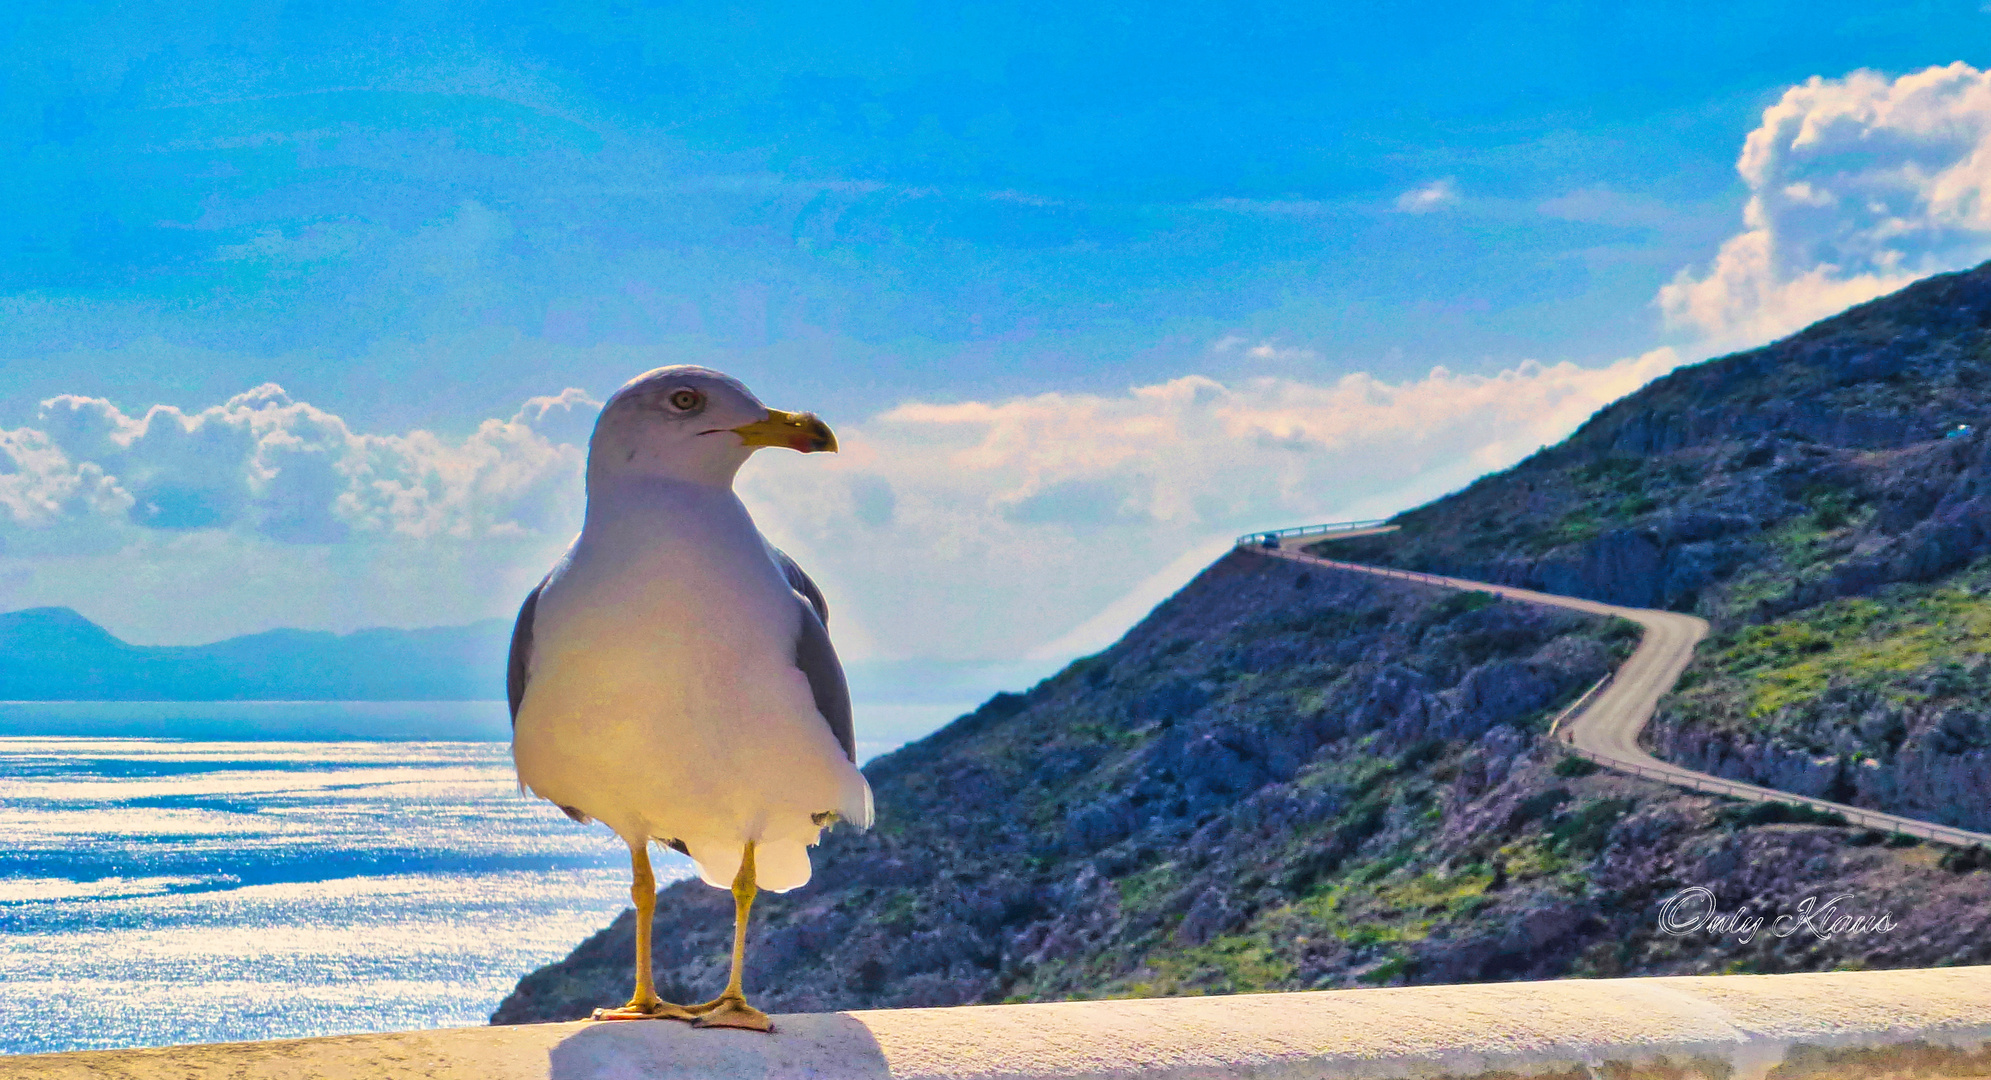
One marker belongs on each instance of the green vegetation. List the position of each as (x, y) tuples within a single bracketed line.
[(1798, 551), (1336, 887), (1377, 906), (1609, 493), (1907, 645), (1966, 860), (1460, 603), (1833, 508), (1150, 887), (1776, 813), (1572, 766), (1233, 964), (1584, 831), (1621, 636), (1579, 526)]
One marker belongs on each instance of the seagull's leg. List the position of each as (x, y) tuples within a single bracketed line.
[(732, 1010), (644, 1004)]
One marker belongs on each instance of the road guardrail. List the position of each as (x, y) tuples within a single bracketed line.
[(1276, 537), (1665, 773), (1716, 785)]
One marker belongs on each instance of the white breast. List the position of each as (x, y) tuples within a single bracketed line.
[(663, 698)]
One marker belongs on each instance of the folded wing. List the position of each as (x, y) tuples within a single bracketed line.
[(817, 658)]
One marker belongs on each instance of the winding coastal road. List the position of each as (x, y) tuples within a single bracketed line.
[(1604, 724)]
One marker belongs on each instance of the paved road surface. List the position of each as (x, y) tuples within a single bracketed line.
[(1605, 723)]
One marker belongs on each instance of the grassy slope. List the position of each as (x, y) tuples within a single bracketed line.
[(1910, 644)]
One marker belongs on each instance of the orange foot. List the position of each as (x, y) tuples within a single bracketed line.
[(650, 1008), (732, 1011)]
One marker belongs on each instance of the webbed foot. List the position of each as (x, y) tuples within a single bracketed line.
[(650, 1008), (732, 1011)]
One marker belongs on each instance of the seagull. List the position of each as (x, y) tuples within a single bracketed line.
[(672, 676)]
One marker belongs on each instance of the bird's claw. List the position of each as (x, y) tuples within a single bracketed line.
[(653, 1009), (731, 1011)]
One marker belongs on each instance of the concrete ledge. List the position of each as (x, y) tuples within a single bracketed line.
[(1895, 1024)]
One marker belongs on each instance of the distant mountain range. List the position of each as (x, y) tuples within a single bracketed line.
[(55, 654)]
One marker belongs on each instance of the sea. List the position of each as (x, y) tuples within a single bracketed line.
[(201, 872)]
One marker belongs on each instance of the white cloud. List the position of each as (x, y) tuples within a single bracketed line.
[(288, 471), (1857, 186), (1264, 350), (280, 512), (1034, 526), (1050, 519), (565, 417), (63, 504), (1435, 195)]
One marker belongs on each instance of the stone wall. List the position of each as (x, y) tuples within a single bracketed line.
[(1844, 1025)]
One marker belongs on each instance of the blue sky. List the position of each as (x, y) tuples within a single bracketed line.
[(1089, 286)]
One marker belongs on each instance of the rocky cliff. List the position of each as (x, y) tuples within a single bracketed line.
[(1283, 778)]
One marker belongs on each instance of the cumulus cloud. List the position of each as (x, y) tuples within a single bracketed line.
[(565, 417), (287, 471), (986, 529), (1435, 195), (107, 510), (62, 504), (1857, 186)]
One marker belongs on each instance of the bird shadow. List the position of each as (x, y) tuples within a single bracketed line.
[(802, 1045)]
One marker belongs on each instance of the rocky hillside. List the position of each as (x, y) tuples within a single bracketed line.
[(1283, 778), (1877, 700), (1289, 778), (1826, 503), (1753, 485)]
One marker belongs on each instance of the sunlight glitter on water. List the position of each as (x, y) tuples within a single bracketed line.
[(154, 891)]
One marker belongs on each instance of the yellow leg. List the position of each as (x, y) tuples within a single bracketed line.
[(644, 1004), (732, 1010)]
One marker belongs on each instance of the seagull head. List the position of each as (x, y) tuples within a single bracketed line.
[(693, 423)]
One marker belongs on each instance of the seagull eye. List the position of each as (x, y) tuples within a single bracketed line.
[(687, 400)]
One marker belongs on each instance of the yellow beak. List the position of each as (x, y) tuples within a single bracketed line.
[(796, 431)]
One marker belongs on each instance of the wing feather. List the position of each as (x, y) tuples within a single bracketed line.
[(519, 667), (817, 657), (802, 583)]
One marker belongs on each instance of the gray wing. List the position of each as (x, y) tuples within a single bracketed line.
[(801, 583), (817, 658), (521, 658), (518, 667)]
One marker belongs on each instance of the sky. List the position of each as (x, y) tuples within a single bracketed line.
[(306, 308)]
